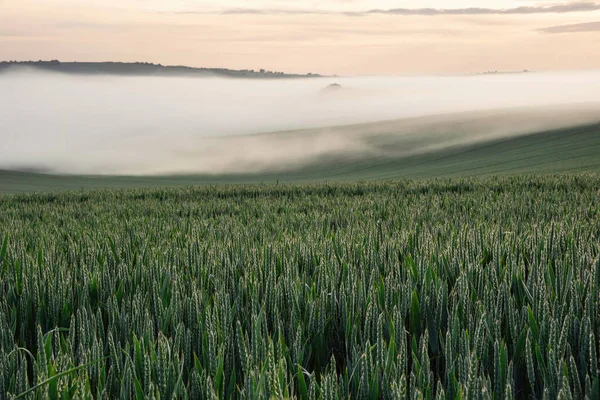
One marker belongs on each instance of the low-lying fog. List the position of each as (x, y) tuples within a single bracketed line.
[(161, 125)]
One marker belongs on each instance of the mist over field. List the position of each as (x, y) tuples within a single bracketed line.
[(161, 125)]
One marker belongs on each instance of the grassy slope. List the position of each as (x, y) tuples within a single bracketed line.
[(567, 150)]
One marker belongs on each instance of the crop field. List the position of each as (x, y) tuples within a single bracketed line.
[(451, 288)]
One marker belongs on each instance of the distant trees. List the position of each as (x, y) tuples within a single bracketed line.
[(146, 68)]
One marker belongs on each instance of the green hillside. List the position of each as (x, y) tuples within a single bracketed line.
[(566, 150)]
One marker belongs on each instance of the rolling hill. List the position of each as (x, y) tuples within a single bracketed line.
[(571, 150), (144, 69)]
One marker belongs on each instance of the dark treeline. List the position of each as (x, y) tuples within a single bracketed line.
[(146, 69)]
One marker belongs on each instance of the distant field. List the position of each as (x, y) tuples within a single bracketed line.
[(565, 150)]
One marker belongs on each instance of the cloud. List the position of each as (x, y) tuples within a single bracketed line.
[(276, 11), (553, 9), (267, 11), (573, 28), (15, 33)]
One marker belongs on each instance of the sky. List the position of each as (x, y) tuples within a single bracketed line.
[(344, 37)]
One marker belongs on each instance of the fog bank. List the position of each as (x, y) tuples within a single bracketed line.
[(144, 125)]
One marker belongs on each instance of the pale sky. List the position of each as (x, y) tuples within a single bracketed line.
[(346, 37)]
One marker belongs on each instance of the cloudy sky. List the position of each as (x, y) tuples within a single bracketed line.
[(347, 37)]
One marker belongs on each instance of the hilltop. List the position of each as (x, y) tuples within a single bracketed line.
[(146, 69)]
